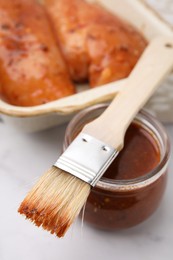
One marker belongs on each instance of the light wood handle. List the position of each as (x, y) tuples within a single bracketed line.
[(155, 63)]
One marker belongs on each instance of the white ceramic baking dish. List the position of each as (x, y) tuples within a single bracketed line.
[(138, 13)]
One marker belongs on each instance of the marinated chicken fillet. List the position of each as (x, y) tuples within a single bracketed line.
[(32, 70), (96, 44)]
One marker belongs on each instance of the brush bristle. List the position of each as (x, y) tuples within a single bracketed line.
[(55, 201)]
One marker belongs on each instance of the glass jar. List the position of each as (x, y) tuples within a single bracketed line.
[(118, 204)]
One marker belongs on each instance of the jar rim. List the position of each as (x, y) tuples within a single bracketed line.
[(145, 119)]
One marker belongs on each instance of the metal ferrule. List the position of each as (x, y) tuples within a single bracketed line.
[(86, 158)]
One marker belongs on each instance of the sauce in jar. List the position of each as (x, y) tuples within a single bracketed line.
[(132, 187), (140, 155)]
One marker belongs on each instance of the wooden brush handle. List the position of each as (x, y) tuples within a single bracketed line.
[(155, 63)]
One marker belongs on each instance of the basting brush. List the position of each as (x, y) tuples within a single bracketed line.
[(57, 198)]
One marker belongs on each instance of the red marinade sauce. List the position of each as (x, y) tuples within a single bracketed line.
[(140, 155), (113, 208)]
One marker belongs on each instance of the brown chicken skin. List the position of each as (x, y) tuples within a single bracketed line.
[(96, 44), (32, 70)]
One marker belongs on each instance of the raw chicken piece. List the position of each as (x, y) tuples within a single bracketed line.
[(96, 44), (32, 70)]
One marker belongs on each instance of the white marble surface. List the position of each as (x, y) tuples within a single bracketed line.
[(23, 157)]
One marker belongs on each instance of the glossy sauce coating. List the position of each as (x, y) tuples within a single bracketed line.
[(96, 44), (32, 70)]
